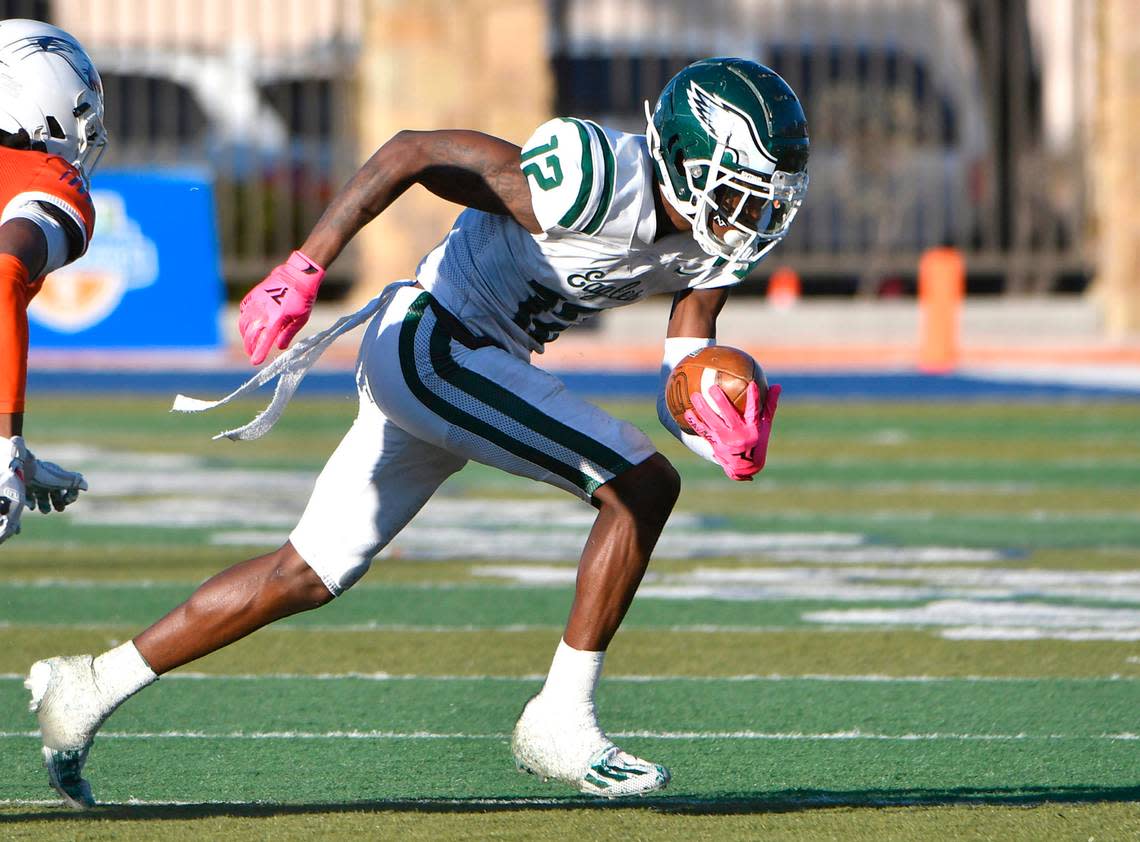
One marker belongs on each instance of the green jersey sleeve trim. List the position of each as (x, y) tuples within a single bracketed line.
[(609, 167), (586, 186)]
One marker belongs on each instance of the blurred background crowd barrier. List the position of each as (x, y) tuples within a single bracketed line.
[(1007, 130)]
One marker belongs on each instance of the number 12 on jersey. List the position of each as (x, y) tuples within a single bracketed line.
[(547, 181)]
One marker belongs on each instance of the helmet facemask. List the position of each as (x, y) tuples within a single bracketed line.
[(751, 210), (91, 134)]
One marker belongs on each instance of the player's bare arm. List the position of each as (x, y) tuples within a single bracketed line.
[(466, 167), (694, 312)]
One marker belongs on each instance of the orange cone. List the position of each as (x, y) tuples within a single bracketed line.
[(783, 288), (941, 287)]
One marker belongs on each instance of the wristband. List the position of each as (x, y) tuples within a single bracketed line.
[(676, 349), (679, 347), (310, 274)]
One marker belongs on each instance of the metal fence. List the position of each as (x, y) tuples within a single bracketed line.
[(256, 92), (933, 122)]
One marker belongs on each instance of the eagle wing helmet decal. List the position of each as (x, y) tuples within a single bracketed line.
[(732, 128), (69, 51)]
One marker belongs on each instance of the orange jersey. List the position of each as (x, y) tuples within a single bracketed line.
[(60, 190)]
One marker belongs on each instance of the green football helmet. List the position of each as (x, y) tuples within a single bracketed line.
[(730, 143)]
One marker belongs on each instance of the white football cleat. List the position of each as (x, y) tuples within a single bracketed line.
[(561, 743), (70, 709), (614, 773)]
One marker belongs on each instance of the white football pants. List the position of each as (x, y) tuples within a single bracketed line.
[(432, 396)]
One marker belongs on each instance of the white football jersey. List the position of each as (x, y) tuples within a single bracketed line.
[(592, 190)]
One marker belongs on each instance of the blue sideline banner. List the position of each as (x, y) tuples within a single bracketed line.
[(151, 276)]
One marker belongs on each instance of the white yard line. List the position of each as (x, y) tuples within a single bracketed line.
[(964, 619), (427, 802), (853, 734), (1032, 633)]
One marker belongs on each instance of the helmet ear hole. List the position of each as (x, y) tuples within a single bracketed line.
[(55, 129)]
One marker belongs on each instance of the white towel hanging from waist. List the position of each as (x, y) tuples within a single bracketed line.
[(291, 367)]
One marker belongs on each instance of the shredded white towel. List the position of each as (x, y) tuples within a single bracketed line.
[(291, 367)]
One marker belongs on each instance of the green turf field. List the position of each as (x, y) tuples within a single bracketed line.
[(922, 622)]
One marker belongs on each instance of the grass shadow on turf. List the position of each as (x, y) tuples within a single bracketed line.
[(786, 801)]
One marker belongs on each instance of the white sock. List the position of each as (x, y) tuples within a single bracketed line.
[(120, 673), (573, 675)]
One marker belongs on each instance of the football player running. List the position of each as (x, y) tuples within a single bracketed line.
[(51, 136), (579, 220)]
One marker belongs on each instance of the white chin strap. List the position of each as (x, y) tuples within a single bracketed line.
[(735, 239)]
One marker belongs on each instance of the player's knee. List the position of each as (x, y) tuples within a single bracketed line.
[(293, 575), (665, 481), (647, 489), (287, 583)]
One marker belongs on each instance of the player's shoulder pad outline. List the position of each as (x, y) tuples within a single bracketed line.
[(580, 174)]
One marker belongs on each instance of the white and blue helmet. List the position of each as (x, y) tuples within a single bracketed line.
[(50, 88)]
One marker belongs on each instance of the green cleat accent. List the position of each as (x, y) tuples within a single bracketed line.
[(65, 773), (614, 773)]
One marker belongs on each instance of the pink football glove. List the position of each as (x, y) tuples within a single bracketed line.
[(274, 310), (740, 443)]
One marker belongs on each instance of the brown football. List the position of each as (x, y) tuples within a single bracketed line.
[(720, 365)]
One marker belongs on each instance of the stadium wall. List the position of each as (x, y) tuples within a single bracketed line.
[(439, 64)]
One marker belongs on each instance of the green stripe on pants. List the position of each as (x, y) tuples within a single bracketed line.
[(489, 393)]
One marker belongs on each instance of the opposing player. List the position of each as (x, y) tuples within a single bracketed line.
[(581, 219), (51, 136)]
